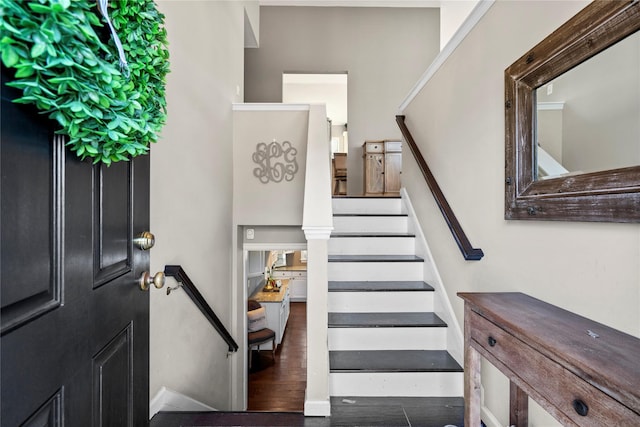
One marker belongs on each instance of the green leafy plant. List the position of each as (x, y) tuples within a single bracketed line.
[(66, 63)]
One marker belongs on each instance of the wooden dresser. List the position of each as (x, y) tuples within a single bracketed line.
[(382, 167), (580, 371)]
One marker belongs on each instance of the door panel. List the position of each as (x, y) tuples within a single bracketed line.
[(374, 174), (392, 171), (112, 384), (49, 414), (75, 324), (29, 259), (112, 231)]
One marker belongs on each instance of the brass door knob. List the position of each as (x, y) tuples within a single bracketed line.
[(146, 279), (145, 240)]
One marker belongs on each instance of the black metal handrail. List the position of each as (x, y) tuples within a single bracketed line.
[(179, 274), (468, 252)]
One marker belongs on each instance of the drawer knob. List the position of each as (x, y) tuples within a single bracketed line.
[(581, 408), (492, 341)]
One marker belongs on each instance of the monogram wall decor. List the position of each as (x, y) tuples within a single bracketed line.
[(275, 162)]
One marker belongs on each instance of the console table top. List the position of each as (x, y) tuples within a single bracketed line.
[(605, 357)]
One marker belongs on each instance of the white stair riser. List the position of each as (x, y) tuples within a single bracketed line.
[(380, 302), (433, 384), (427, 338), (368, 271), (369, 205), (393, 224), (372, 245)]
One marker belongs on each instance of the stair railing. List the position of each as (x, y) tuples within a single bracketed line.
[(181, 277), (468, 251)]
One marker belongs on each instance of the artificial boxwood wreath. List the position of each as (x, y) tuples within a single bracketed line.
[(67, 63)]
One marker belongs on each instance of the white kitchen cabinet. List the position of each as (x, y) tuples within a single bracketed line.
[(297, 283), (298, 286), (276, 306)]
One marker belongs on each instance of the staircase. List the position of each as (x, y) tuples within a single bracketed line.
[(384, 338)]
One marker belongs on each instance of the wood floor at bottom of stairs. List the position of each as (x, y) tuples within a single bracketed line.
[(346, 411)]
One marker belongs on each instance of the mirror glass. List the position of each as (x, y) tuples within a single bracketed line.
[(588, 119)]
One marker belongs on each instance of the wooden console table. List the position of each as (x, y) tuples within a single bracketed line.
[(580, 371)]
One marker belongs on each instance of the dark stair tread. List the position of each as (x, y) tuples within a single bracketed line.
[(375, 258), (372, 234), (223, 418), (367, 361), (385, 320), (379, 286), (396, 411)]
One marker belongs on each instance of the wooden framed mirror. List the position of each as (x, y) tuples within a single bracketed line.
[(606, 193)]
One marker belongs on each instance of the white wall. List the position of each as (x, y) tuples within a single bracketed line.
[(252, 24), (271, 203), (384, 50), (328, 89), (458, 122), (191, 196), (452, 15)]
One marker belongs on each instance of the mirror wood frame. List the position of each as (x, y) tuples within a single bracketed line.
[(604, 196)]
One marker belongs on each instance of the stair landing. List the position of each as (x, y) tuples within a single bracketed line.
[(345, 411)]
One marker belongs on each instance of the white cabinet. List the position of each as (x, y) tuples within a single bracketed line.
[(297, 283), (277, 313), (284, 316), (298, 286)]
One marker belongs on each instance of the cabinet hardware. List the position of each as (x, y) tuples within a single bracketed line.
[(581, 408)]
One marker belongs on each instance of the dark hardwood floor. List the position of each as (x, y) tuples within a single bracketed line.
[(280, 385)]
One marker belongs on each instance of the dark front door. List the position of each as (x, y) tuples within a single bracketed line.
[(75, 324)]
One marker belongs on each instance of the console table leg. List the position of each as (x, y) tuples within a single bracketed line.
[(518, 406), (472, 387)]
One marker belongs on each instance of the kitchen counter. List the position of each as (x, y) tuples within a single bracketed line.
[(276, 305), (269, 296)]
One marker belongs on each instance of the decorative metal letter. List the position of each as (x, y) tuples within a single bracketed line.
[(270, 169)]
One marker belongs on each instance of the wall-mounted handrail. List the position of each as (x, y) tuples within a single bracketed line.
[(179, 274), (468, 252)]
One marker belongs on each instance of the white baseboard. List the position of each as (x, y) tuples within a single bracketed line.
[(170, 400), (317, 408), (488, 418)]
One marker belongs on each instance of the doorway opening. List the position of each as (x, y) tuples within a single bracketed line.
[(277, 280), (329, 89)]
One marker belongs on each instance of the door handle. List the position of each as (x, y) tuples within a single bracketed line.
[(146, 279), (145, 240)]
